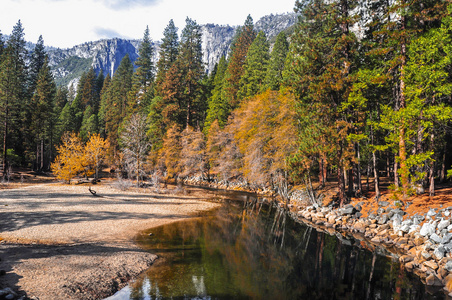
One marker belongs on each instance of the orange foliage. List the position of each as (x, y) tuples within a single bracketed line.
[(74, 158), (265, 132)]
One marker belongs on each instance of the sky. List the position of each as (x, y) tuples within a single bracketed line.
[(66, 23)]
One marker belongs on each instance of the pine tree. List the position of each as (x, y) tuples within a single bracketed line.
[(218, 107), (2, 45), (192, 71), (255, 68), (13, 91), (143, 77), (274, 77), (117, 100), (169, 51), (37, 61), (242, 41), (324, 61), (105, 97), (392, 37), (43, 120)]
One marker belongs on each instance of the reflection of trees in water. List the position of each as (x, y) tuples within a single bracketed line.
[(255, 251)]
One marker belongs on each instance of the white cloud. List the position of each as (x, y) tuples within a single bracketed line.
[(65, 23)]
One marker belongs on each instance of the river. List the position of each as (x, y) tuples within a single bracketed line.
[(248, 249)]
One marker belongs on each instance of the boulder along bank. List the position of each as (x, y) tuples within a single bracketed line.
[(421, 242)]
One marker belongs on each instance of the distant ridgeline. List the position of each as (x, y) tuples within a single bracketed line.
[(69, 64)]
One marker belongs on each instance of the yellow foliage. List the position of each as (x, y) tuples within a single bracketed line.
[(75, 158)]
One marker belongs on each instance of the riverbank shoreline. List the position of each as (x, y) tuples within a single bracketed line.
[(422, 242), (61, 242)]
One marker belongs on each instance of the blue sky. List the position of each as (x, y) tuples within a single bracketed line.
[(65, 23)]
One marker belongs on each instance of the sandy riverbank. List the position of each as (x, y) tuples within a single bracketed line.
[(60, 242)]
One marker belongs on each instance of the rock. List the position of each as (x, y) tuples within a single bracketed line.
[(383, 219), (347, 210), (406, 258), (446, 238), (438, 253), (442, 273), (10, 297), (405, 228), (443, 224), (431, 212), (358, 214), (431, 264), (448, 266), (410, 265), (426, 255), (436, 238), (376, 240), (427, 229), (433, 280), (383, 203), (413, 228), (446, 213)]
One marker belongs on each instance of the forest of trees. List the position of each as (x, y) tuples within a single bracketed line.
[(361, 89)]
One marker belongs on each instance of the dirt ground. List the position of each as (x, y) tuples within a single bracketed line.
[(61, 242)]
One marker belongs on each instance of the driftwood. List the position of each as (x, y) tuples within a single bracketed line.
[(93, 192)]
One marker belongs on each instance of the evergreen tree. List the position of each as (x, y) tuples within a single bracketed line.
[(218, 107), (255, 68), (37, 61), (143, 77), (105, 97), (13, 91), (242, 41), (192, 71), (274, 77), (43, 120), (89, 123), (169, 50), (324, 62), (2, 45), (117, 100)]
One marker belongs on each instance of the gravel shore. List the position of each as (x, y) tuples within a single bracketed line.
[(61, 242)]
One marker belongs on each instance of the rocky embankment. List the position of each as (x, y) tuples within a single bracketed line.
[(423, 243)]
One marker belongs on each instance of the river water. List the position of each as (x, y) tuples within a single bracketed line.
[(250, 250)]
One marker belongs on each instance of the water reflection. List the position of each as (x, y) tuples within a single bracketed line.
[(248, 250)]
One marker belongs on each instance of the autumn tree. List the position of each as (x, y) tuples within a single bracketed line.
[(193, 153), (171, 152), (71, 159), (95, 152), (76, 158), (135, 145)]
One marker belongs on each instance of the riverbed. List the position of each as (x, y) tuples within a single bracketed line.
[(249, 249)]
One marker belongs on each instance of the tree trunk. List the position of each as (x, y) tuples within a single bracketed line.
[(350, 181), (341, 185), (5, 139), (404, 172), (431, 175), (443, 165), (376, 176), (42, 155), (358, 171), (396, 175)]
